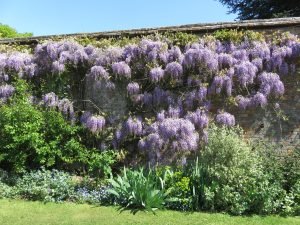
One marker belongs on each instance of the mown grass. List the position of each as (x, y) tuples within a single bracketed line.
[(17, 212)]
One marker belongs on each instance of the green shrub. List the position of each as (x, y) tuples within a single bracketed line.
[(237, 36), (9, 32), (230, 176), (32, 136), (45, 185)]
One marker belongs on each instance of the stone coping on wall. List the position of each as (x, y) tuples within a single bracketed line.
[(199, 28)]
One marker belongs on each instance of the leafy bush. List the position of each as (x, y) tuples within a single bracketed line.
[(237, 36), (32, 136), (45, 185), (9, 32), (138, 190), (230, 176)]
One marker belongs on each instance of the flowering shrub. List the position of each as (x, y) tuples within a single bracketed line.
[(167, 85)]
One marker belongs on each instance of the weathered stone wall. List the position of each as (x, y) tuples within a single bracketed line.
[(283, 129), (258, 123)]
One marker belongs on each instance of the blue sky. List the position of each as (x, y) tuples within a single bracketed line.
[(45, 17)]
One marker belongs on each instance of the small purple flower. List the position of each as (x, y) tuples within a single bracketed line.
[(174, 69), (121, 69), (134, 126), (133, 88), (58, 67), (66, 107), (6, 91), (95, 123), (160, 116), (156, 74), (226, 119), (84, 117), (259, 100), (243, 102), (50, 99), (225, 60), (245, 72), (199, 118), (98, 73)]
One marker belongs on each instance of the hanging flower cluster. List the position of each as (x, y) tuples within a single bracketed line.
[(173, 86)]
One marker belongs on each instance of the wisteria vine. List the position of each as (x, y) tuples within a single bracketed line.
[(170, 89)]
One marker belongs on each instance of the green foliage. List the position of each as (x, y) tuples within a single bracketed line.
[(45, 185), (138, 190), (179, 38), (9, 32), (230, 176), (263, 9), (237, 36), (32, 136)]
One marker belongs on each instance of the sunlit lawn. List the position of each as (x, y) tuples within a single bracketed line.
[(17, 212)]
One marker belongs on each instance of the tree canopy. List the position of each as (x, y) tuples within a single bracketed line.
[(9, 32), (263, 9)]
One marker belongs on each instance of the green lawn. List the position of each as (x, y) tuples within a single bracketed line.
[(13, 212)]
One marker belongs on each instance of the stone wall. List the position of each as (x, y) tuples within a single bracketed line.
[(258, 123)]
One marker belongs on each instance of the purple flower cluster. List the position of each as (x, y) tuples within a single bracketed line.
[(270, 83), (50, 99), (66, 107), (98, 73), (245, 73), (199, 118), (174, 69), (226, 119), (156, 74), (133, 127), (168, 137), (133, 88), (257, 100), (6, 91), (94, 123), (121, 69), (21, 63)]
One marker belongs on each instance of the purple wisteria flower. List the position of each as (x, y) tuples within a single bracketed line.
[(121, 69), (270, 83), (243, 102), (156, 74), (175, 54), (133, 88), (50, 99), (225, 118), (245, 72), (174, 112), (168, 137), (94, 123), (6, 91), (133, 126), (240, 55), (217, 84), (84, 117), (161, 116), (99, 73), (225, 60), (174, 69), (201, 93), (66, 107), (259, 99), (58, 67), (199, 118)]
